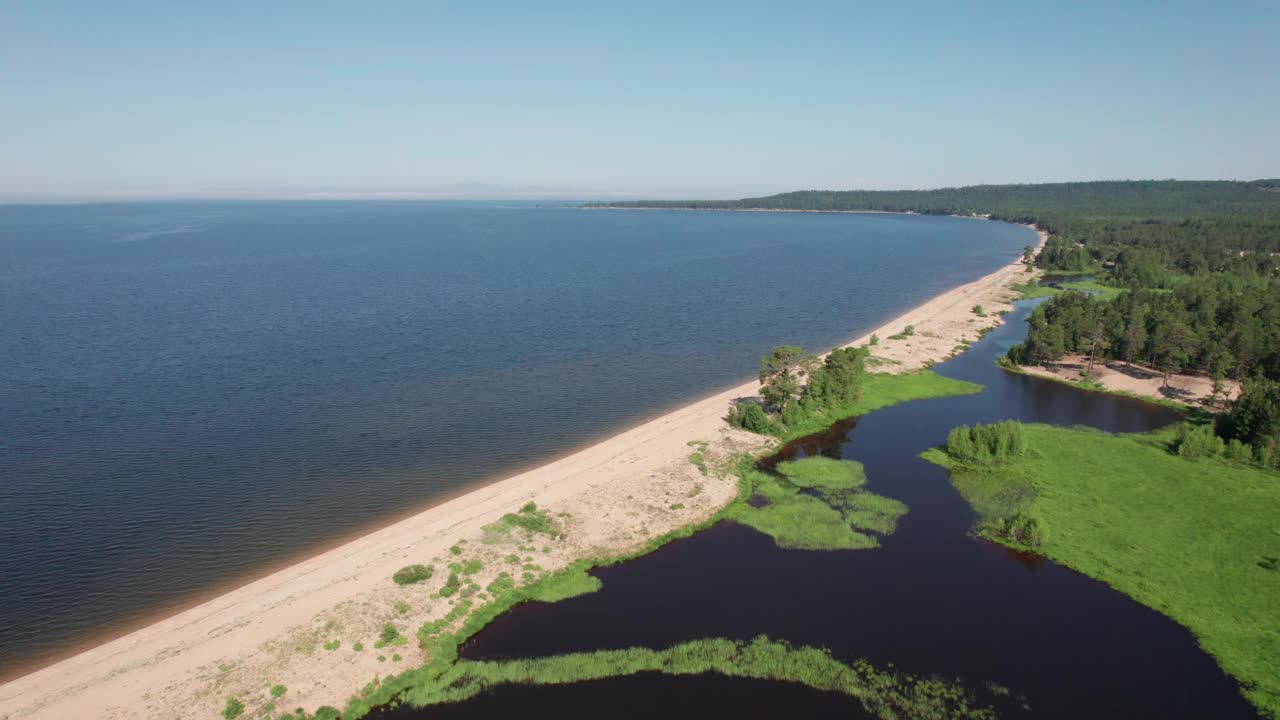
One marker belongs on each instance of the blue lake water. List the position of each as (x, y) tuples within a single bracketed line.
[(195, 392)]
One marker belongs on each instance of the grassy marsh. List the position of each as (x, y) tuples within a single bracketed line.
[(881, 693), (814, 504), (1190, 538)]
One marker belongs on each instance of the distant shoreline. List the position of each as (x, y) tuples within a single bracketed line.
[(783, 210)]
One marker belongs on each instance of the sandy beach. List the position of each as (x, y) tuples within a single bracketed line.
[(1115, 376), (607, 498)]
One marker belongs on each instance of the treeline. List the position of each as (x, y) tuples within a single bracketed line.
[(1021, 203), (1180, 226), (1225, 325), (797, 386)]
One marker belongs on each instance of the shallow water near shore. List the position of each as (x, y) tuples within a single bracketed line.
[(932, 600), (196, 392)]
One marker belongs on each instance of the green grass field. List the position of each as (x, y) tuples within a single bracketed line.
[(1197, 540), (1100, 291), (1029, 290)]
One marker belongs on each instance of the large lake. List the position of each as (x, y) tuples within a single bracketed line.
[(193, 393)]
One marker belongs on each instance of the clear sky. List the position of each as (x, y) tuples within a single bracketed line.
[(600, 99)]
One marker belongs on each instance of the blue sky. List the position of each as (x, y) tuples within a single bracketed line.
[(139, 99)]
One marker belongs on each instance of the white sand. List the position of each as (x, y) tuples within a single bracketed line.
[(618, 493), (1190, 390)]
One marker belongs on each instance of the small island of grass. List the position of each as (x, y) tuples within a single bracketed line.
[(815, 504)]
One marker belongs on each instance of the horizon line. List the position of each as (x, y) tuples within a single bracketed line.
[(513, 195)]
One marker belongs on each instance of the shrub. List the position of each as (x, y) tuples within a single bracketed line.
[(1024, 529), (992, 444), (233, 709), (1238, 452), (1255, 414), (456, 550), (794, 413), (874, 340), (1268, 455), (750, 417), (529, 518), (278, 691), (1199, 441), (411, 574), (451, 585), (390, 636), (1017, 355), (977, 310), (839, 381)]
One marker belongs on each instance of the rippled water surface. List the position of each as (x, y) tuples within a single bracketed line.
[(193, 392)]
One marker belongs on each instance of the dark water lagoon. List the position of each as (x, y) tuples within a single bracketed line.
[(194, 392), (932, 600)]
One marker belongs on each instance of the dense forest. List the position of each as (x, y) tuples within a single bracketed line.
[(1171, 222), (1197, 263)]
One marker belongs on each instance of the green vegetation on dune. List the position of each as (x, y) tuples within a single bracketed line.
[(880, 693), (530, 518), (1196, 539), (410, 574)]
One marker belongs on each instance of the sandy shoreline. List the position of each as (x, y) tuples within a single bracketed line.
[(609, 497), (1114, 376), (779, 210)]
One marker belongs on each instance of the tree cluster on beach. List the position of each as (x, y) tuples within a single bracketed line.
[(798, 386)]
